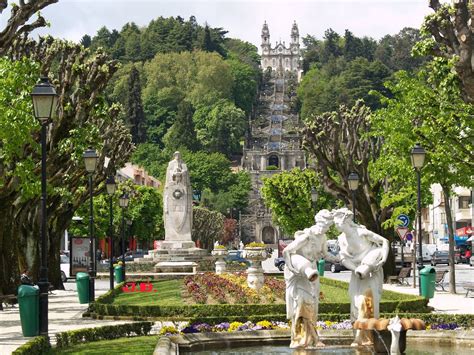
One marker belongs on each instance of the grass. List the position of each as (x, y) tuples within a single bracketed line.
[(133, 345), (168, 293)]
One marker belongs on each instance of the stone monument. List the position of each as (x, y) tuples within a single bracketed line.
[(178, 251)]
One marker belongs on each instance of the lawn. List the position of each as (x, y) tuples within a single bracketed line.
[(133, 345), (168, 293)]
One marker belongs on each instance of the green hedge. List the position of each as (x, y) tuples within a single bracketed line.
[(37, 345), (226, 310), (107, 332)]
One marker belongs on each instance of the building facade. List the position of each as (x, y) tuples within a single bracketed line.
[(281, 58), (434, 221)]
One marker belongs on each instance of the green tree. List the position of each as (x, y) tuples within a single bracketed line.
[(288, 195), (220, 127), (182, 132), (84, 119), (86, 41), (146, 212), (134, 108), (427, 108), (448, 34)]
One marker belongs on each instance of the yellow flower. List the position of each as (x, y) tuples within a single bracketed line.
[(265, 324), (234, 326)]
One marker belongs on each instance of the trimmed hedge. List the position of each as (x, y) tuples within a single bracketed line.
[(225, 310), (104, 306), (37, 345), (107, 332)]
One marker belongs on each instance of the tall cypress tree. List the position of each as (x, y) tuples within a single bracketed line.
[(134, 108), (182, 133)]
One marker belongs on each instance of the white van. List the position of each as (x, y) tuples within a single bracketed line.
[(65, 268)]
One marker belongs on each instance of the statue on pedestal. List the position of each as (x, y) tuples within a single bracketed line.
[(177, 202), (302, 281), (364, 252)]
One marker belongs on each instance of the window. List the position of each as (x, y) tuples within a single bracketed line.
[(464, 202)]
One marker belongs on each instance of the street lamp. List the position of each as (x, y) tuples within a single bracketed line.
[(111, 187), (90, 161), (123, 203), (353, 182), (417, 160), (314, 197), (44, 104)]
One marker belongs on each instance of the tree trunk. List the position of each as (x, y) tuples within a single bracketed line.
[(9, 268), (449, 221)]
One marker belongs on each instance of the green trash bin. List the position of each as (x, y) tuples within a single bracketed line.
[(28, 299), (118, 274), (321, 264), (82, 283), (428, 278)]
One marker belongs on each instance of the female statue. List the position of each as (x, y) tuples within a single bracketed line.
[(364, 252), (302, 281)]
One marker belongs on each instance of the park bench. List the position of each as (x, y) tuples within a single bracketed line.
[(439, 281), (402, 277), (7, 299), (469, 288)]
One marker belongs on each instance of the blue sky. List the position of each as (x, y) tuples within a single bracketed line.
[(71, 19)]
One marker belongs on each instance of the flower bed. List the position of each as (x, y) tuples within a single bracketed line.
[(236, 326), (232, 288)]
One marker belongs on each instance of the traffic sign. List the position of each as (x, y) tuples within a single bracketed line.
[(409, 236), (404, 219), (402, 231)]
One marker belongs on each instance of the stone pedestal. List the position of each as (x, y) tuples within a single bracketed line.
[(255, 277), (220, 254)]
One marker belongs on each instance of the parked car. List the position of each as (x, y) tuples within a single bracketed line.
[(328, 266), (65, 267), (279, 263), (236, 256), (440, 257), (334, 267)]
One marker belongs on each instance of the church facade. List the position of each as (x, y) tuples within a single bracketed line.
[(281, 57)]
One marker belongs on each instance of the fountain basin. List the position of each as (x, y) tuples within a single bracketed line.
[(337, 342)]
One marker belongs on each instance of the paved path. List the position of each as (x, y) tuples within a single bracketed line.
[(65, 313)]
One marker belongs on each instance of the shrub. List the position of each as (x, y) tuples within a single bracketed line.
[(37, 345), (272, 167), (107, 332), (255, 245)]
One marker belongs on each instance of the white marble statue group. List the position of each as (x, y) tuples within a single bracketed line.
[(361, 251)]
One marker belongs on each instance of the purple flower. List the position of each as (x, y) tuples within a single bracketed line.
[(222, 327)]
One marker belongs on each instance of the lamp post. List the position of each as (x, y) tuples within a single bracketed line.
[(90, 161), (417, 160), (353, 182), (123, 202), (314, 197), (111, 187), (44, 103)]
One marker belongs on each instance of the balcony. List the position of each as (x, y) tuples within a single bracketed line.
[(463, 215)]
